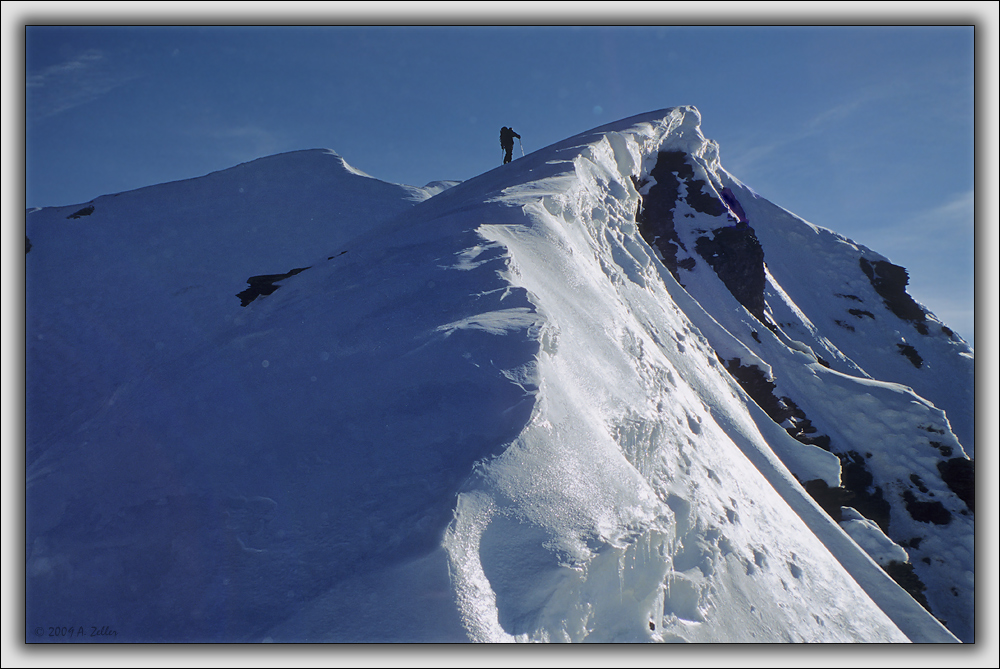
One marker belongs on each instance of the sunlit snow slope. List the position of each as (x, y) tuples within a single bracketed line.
[(579, 397)]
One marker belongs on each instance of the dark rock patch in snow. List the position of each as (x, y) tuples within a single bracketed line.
[(802, 429), (781, 410), (849, 297), (737, 257), (701, 201), (926, 512), (27, 245), (686, 263), (917, 481), (846, 326), (655, 216), (756, 384), (264, 285), (829, 499), (945, 450), (868, 498), (86, 211), (903, 574), (861, 313), (911, 354), (959, 474), (889, 281)]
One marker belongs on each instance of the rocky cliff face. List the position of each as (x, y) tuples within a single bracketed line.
[(731, 249), (693, 219)]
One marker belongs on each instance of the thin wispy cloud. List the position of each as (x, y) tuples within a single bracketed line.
[(958, 211), (838, 113), (949, 224), (745, 159), (73, 82)]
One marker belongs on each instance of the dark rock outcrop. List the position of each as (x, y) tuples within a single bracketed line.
[(889, 281), (911, 354), (829, 499), (263, 284), (756, 384), (868, 498), (926, 512), (856, 491), (737, 257), (781, 410), (732, 251), (903, 574), (86, 211), (655, 216), (959, 474)]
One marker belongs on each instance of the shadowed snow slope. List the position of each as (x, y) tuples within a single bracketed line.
[(289, 401)]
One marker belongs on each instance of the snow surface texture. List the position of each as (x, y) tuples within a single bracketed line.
[(291, 402)]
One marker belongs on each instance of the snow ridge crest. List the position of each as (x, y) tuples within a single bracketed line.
[(501, 410), (631, 402)]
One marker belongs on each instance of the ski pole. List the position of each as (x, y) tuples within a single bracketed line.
[(520, 145)]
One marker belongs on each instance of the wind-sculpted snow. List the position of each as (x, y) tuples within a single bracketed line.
[(637, 456), (481, 411), (354, 402)]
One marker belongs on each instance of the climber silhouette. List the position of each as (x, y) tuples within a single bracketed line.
[(507, 136)]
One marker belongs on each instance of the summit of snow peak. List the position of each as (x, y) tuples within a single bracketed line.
[(604, 392)]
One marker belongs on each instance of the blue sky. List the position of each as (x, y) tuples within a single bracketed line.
[(868, 131)]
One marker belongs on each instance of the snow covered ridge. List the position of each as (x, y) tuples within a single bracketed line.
[(574, 398)]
